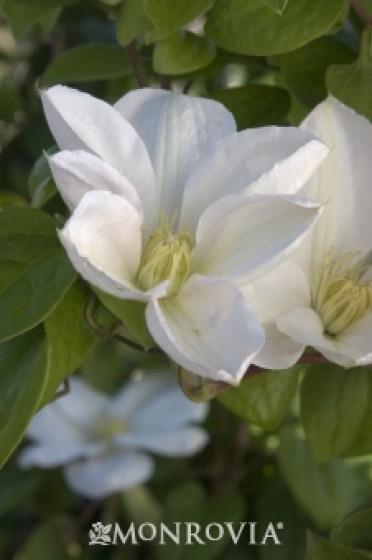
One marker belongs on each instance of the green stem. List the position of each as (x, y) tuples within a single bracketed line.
[(362, 13)]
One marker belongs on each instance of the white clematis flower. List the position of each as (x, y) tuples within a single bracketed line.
[(102, 441), (322, 295), (171, 208)]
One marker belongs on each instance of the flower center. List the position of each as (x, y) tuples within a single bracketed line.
[(107, 428), (339, 297), (166, 255)]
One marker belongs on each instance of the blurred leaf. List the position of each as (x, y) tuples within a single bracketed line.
[(15, 489), (10, 101), (263, 399), (22, 15), (167, 16), (355, 531), (23, 374), (45, 4), (69, 337), (333, 404), (362, 441), (132, 314), (132, 21), (319, 549), (352, 83), (277, 6), (41, 185), (9, 199), (304, 69), (182, 52), (326, 492), (44, 543), (367, 5), (250, 28), (87, 63), (141, 505), (34, 269), (255, 104)]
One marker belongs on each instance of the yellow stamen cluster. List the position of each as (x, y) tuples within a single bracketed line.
[(107, 428), (339, 296), (166, 255)]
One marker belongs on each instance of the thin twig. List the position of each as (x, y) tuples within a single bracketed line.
[(362, 13), (137, 64), (62, 392)]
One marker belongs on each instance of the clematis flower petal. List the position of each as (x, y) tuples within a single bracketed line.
[(179, 442), (280, 351), (77, 173), (104, 475), (268, 160), (177, 130), (344, 181), (208, 328), (54, 454), (103, 241), (79, 121), (242, 237)]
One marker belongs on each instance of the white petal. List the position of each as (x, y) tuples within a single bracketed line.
[(177, 130), (208, 328), (356, 341), (77, 173), (280, 351), (344, 180), (99, 477), (78, 121), (305, 326), (54, 454), (103, 241), (179, 442), (242, 237), (267, 160)]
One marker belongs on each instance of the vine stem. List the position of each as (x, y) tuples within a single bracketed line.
[(137, 64), (362, 13), (306, 359)]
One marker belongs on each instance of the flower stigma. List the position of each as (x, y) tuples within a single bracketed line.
[(166, 255), (340, 297)]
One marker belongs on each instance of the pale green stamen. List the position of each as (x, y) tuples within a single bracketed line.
[(339, 296), (107, 428), (166, 255)]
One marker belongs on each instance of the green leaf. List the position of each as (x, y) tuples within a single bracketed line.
[(263, 399), (132, 314), (304, 69), (22, 16), (69, 337), (34, 269), (250, 28), (182, 52), (319, 549), (44, 4), (45, 543), (352, 83), (326, 492), (333, 404), (355, 531), (41, 185), (86, 63), (277, 6), (255, 104), (132, 21), (362, 442), (167, 16), (23, 367)]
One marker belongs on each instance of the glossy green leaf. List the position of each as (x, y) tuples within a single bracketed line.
[(41, 185), (277, 6), (355, 531), (22, 16), (182, 52), (35, 272), (167, 16), (23, 374), (251, 28), (304, 69), (362, 441), (132, 21), (352, 83), (87, 63), (319, 548), (326, 492), (333, 404), (255, 104), (69, 336), (132, 314), (263, 399)]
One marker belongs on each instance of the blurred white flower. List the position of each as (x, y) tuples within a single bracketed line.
[(102, 441), (171, 208), (322, 295)]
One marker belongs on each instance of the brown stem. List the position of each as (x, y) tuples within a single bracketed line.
[(137, 65), (307, 358), (362, 13)]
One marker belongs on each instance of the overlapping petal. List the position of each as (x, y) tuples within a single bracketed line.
[(169, 443)]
